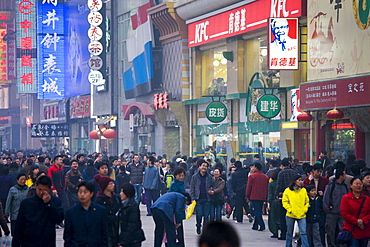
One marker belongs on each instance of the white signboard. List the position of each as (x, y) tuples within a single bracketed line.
[(283, 43), (96, 77)]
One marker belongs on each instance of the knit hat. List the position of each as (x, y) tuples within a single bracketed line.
[(102, 181)]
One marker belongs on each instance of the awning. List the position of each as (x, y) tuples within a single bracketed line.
[(145, 109)]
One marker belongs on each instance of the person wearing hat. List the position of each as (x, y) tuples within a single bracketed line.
[(296, 202), (178, 155), (108, 199)]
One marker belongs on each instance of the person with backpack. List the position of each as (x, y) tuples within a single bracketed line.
[(331, 204), (168, 176)]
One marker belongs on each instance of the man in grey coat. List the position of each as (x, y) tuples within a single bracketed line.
[(331, 204), (151, 179)]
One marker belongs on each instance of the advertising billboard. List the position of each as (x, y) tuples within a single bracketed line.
[(50, 59), (338, 38), (76, 46)]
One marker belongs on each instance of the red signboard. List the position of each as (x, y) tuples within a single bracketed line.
[(339, 93), (79, 107), (160, 101), (240, 20)]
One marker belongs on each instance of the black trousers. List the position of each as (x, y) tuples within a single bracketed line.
[(162, 223)]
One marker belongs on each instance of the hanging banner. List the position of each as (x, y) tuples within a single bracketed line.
[(26, 45), (49, 130), (50, 41)]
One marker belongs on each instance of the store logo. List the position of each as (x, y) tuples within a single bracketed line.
[(278, 6), (201, 32), (361, 11)]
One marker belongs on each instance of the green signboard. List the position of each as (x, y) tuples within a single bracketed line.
[(216, 112), (268, 106)]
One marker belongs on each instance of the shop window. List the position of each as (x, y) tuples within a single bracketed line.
[(214, 72), (256, 57), (341, 140)]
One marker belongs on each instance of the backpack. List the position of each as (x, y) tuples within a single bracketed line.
[(169, 178)]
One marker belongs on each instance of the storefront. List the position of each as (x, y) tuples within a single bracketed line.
[(228, 47)]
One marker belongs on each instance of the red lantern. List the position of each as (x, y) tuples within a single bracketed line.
[(110, 134), (335, 114), (304, 117), (95, 134)]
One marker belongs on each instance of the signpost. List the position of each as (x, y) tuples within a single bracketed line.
[(216, 112), (268, 106)]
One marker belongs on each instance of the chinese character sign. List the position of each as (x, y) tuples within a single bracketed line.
[(283, 43), (25, 26), (49, 130), (160, 101), (216, 112), (268, 106), (50, 42)]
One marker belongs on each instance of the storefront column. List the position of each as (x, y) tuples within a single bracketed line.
[(320, 140), (359, 143)]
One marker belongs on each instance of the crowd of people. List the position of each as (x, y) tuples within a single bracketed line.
[(95, 198)]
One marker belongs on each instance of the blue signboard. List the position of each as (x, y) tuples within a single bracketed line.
[(50, 52), (76, 44)]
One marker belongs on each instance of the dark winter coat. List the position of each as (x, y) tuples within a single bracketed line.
[(86, 228), (35, 225), (129, 220), (112, 204)]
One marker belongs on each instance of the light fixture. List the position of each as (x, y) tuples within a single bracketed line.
[(264, 52), (223, 61), (216, 63)]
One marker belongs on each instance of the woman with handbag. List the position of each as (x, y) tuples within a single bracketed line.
[(355, 210), (217, 197)]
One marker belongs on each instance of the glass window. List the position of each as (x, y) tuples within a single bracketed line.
[(342, 140), (214, 72)]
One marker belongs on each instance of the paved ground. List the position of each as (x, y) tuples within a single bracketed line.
[(247, 235)]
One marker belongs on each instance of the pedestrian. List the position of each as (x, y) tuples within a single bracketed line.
[(32, 189), (108, 199), (355, 210), (6, 182), (151, 182), (57, 175), (313, 216), (81, 162), (86, 223), (272, 206), (16, 194), (121, 178), (168, 213), (90, 171), (31, 178), (37, 217), (136, 171), (296, 203), (331, 204), (178, 183), (219, 234), (230, 194), (73, 178), (217, 201), (131, 232), (201, 190), (285, 176), (3, 222), (366, 183), (102, 168), (256, 193), (239, 181)]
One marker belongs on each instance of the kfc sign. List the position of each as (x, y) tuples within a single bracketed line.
[(240, 20)]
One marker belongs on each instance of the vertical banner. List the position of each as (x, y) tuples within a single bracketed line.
[(11, 54), (4, 19), (50, 42), (26, 46), (283, 43)]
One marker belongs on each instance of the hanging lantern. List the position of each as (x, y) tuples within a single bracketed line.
[(335, 114), (304, 117), (110, 134), (95, 134)]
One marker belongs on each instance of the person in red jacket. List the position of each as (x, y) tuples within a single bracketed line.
[(315, 178), (256, 193), (350, 209)]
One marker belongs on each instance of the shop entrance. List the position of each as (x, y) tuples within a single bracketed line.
[(304, 145)]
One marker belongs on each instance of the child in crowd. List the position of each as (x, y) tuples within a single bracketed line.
[(312, 217)]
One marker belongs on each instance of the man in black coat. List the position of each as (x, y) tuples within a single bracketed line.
[(239, 181), (37, 217), (86, 223)]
